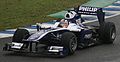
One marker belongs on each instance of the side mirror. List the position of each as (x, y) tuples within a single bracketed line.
[(38, 26)]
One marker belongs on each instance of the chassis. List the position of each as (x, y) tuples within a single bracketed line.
[(64, 41)]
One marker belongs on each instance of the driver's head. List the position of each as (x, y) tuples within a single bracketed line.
[(70, 15), (64, 23)]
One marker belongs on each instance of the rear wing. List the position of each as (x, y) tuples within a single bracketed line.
[(86, 10)]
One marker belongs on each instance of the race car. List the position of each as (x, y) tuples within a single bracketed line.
[(63, 37)]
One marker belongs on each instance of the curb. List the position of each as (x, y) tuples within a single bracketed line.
[(99, 3), (92, 3)]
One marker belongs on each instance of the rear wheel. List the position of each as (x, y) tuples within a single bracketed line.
[(69, 41), (107, 33)]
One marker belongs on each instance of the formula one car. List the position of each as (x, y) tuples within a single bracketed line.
[(63, 41)]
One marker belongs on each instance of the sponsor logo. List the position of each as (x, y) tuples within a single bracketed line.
[(16, 45), (91, 9), (88, 36)]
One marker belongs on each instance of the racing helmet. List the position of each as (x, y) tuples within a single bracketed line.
[(70, 15)]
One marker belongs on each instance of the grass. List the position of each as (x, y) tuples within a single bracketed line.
[(17, 13)]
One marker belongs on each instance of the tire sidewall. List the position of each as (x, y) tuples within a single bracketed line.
[(106, 31), (20, 34), (66, 41)]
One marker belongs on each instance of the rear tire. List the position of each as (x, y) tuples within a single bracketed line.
[(107, 33), (69, 41)]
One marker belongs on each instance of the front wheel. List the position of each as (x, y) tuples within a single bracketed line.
[(20, 34), (69, 41)]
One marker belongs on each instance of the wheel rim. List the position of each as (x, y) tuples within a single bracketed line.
[(73, 44), (113, 35)]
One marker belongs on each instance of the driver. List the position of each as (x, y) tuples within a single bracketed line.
[(71, 20), (74, 18), (64, 23)]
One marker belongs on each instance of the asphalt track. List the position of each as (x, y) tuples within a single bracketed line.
[(99, 53)]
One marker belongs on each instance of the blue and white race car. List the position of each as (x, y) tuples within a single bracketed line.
[(64, 36)]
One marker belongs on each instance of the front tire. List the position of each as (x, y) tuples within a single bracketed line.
[(69, 41), (20, 34)]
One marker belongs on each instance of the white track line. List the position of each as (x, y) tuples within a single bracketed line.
[(117, 2), (11, 30), (3, 35), (97, 20), (113, 6)]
